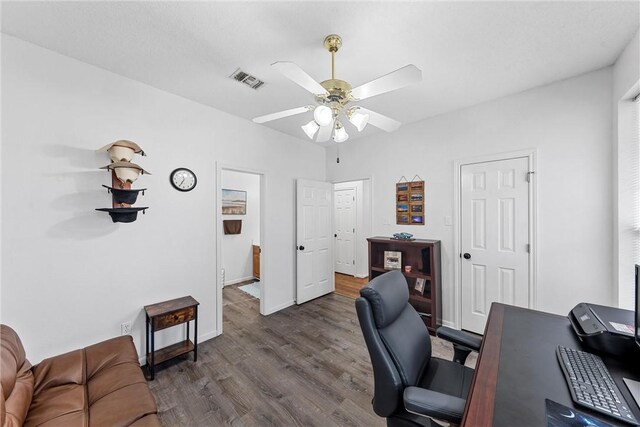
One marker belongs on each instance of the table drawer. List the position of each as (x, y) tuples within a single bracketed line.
[(174, 318)]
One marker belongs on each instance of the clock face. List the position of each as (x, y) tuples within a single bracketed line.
[(183, 179)]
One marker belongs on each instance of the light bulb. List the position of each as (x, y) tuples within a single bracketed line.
[(310, 128), (340, 135), (359, 120), (323, 115)]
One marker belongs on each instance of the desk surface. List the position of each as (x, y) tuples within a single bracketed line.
[(518, 369)]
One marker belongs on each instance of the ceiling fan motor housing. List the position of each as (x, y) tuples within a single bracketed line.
[(338, 91)]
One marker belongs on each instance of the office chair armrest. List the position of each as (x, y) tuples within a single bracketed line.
[(430, 403), (460, 338)]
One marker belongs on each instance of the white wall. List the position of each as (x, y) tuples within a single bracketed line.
[(569, 123), (237, 249), (70, 276), (626, 84)]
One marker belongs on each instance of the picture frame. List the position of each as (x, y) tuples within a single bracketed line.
[(409, 201), (392, 260), (234, 202), (420, 285)]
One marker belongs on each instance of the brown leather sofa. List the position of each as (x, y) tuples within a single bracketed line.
[(101, 385)]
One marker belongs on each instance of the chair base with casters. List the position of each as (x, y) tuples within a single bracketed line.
[(410, 386)]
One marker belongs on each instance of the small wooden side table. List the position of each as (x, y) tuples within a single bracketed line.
[(165, 315)]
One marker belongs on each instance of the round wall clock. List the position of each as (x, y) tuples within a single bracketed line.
[(183, 179)]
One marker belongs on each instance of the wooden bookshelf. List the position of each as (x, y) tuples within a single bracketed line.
[(424, 258)]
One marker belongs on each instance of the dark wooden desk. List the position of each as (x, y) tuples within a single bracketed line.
[(518, 369)]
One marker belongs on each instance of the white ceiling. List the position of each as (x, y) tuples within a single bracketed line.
[(468, 52)]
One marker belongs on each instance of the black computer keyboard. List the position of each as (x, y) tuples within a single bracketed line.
[(591, 384)]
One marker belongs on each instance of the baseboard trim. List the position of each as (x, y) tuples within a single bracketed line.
[(279, 307), (361, 276), (449, 324), (235, 281), (201, 338)]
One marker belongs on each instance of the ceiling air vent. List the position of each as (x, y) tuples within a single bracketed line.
[(246, 78)]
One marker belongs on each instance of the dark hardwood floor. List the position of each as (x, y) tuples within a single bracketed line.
[(349, 286), (303, 366)]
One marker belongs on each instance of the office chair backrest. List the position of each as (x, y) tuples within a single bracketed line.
[(398, 341)]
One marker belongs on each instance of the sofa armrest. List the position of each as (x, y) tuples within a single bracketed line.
[(67, 368), (430, 403), (460, 338)]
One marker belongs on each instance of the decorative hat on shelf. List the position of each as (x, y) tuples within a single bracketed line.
[(122, 150), (125, 171), (123, 174), (123, 214), (124, 196)]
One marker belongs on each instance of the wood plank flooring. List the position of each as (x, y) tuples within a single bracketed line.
[(349, 286), (303, 366)]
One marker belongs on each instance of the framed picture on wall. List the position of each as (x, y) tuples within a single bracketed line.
[(410, 209), (234, 202)]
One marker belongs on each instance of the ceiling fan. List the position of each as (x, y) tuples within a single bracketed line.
[(333, 95)]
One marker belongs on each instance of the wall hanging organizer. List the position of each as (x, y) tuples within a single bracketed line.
[(123, 174), (410, 201)]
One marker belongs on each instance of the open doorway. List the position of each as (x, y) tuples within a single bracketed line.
[(240, 228), (352, 222)]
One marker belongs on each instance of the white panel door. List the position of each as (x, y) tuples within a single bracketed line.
[(345, 217), (314, 206), (495, 230)]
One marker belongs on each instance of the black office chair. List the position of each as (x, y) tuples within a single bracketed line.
[(411, 387)]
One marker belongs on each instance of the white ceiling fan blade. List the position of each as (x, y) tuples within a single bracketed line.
[(383, 122), (325, 132), (299, 76), (405, 76), (281, 114)]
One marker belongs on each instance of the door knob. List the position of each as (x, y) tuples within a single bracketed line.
[(467, 255), (301, 248)]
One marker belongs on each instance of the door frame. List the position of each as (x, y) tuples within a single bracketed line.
[(531, 155), (219, 231), (360, 227)]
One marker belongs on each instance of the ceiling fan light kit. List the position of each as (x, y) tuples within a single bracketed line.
[(323, 115), (358, 119), (340, 134), (333, 95), (311, 128)]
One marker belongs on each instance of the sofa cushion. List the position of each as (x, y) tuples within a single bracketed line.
[(63, 369), (61, 405), (114, 379), (16, 379)]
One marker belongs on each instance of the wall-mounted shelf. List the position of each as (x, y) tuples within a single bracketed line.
[(123, 174)]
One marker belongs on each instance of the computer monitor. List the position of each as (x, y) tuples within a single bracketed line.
[(637, 314)]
